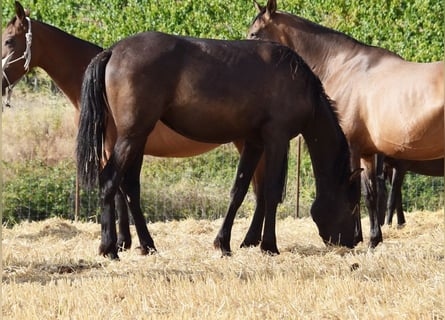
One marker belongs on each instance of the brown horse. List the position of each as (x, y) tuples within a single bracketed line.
[(372, 88), (396, 170), (213, 91)]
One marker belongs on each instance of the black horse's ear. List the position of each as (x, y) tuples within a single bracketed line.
[(271, 7), (258, 7), (19, 11), (355, 174)]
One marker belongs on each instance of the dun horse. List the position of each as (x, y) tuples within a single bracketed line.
[(387, 105), (213, 91)]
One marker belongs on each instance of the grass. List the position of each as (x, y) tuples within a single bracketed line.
[(51, 271)]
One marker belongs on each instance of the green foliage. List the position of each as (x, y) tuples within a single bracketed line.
[(200, 186), (33, 191), (412, 28)]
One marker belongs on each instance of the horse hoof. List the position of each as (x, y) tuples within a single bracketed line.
[(250, 243), (225, 253), (146, 251), (106, 251), (225, 249), (123, 245), (270, 250), (373, 243)]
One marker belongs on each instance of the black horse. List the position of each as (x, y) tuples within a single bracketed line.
[(213, 91)]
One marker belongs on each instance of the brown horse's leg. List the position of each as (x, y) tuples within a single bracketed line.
[(124, 236), (247, 164), (276, 153), (253, 236), (131, 188)]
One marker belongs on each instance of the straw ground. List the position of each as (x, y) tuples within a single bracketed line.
[(51, 271)]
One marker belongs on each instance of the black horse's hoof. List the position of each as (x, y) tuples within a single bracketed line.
[(247, 243), (106, 251), (123, 245), (218, 243), (373, 243), (146, 250), (271, 250)]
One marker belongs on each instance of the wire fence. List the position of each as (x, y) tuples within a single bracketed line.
[(174, 189)]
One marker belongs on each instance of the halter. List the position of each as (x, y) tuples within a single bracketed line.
[(26, 56)]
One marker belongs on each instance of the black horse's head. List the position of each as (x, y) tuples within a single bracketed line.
[(337, 214)]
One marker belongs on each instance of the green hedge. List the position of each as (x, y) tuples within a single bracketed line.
[(412, 28), (199, 186)]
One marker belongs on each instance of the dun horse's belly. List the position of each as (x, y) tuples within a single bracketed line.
[(165, 142)]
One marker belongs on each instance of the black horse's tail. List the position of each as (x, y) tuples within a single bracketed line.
[(92, 123)]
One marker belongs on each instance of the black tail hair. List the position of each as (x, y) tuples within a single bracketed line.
[(92, 122)]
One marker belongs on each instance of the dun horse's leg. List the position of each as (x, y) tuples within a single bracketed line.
[(131, 187), (371, 200), (392, 197), (124, 236), (247, 164), (382, 192), (253, 236), (399, 175), (276, 153)]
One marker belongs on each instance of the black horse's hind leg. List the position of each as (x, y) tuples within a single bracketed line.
[(247, 164), (253, 235), (276, 153), (108, 187), (124, 236), (131, 188)]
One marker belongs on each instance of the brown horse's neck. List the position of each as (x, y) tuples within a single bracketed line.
[(326, 50), (63, 56)]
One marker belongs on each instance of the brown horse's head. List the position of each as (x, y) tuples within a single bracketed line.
[(16, 48)]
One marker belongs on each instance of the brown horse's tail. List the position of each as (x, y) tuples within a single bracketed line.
[(92, 123)]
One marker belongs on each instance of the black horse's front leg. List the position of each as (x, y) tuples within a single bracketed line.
[(276, 152)]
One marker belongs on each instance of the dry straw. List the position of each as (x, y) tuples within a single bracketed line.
[(51, 271)]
